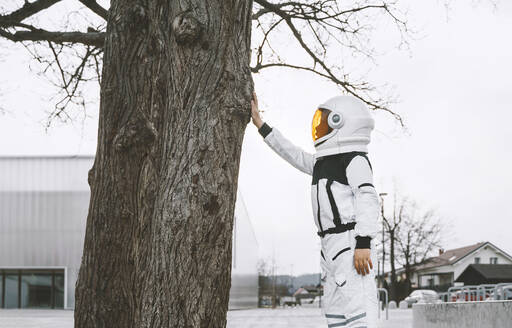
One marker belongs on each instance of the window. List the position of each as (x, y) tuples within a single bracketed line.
[(493, 260), (11, 291), (59, 290), (477, 260), (36, 290), (32, 289)]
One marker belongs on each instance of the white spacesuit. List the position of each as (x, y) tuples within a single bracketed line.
[(345, 204)]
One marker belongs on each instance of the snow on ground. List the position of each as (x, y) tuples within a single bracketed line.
[(299, 317), (36, 319)]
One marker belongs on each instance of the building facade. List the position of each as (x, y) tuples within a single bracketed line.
[(478, 274), (442, 271), (43, 210)]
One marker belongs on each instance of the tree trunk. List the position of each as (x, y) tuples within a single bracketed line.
[(175, 101), (408, 287), (393, 286)]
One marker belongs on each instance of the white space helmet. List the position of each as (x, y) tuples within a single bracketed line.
[(340, 125)]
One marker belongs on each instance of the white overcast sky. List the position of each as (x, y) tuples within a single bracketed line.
[(455, 95)]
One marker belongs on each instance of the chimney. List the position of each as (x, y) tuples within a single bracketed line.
[(441, 251)]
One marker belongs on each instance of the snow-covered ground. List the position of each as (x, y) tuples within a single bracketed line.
[(257, 318), (303, 318), (36, 319)]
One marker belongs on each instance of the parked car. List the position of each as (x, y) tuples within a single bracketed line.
[(288, 301), (470, 297), (265, 302), (422, 296), (507, 295)]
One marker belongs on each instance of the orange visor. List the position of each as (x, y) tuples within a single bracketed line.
[(320, 126)]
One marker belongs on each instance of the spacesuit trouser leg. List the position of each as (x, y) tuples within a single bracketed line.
[(350, 299)]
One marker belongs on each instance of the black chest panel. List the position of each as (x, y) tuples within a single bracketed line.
[(334, 167)]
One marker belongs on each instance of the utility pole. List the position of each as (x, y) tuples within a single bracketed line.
[(378, 274), (320, 290), (381, 195), (274, 279)]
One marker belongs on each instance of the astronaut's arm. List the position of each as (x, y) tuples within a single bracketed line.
[(294, 155), (366, 200)]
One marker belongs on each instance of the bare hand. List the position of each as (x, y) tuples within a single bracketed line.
[(255, 112), (362, 261)]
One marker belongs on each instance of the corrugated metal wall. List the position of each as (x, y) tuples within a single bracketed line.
[(244, 275), (43, 211)]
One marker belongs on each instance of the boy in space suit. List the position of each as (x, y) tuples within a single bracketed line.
[(345, 204)]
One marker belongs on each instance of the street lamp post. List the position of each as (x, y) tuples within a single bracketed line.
[(381, 195)]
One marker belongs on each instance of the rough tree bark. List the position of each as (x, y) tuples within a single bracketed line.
[(175, 101)]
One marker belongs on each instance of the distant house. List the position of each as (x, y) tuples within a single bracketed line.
[(477, 274), (300, 291), (307, 293), (442, 271), (307, 290)]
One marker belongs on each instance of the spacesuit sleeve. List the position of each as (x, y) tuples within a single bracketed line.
[(366, 200), (298, 158)]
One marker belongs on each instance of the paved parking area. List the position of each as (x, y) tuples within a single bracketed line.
[(36, 319), (299, 317)]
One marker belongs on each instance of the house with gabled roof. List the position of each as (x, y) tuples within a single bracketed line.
[(477, 274), (440, 272)]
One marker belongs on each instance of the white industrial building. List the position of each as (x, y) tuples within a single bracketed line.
[(43, 211)]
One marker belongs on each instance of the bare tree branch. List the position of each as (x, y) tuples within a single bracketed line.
[(314, 26), (14, 20), (326, 20), (28, 9), (96, 39), (96, 8), (413, 235), (68, 59)]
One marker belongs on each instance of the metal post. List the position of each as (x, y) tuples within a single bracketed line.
[(482, 291), (320, 294), (378, 304), (464, 291), (387, 305), (486, 287), (383, 290), (476, 291), (469, 290), (450, 290), (378, 274)]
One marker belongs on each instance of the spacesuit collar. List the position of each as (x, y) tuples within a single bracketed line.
[(346, 148)]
